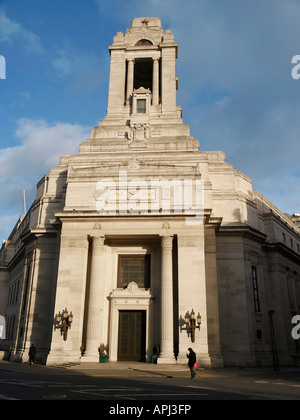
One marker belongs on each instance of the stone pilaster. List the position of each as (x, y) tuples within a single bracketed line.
[(130, 78), (93, 327), (167, 341), (155, 84)]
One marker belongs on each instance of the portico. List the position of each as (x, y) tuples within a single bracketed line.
[(158, 291)]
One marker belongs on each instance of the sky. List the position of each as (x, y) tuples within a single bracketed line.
[(236, 86)]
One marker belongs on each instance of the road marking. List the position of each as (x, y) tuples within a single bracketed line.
[(171, 395), (23, 383), (261, 382), (4, 397), (54, 397), (100, 394), (279, 383), (115, 389), (71, 386)]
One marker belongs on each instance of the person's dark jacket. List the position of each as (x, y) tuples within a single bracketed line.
[(192, 358), (32, 352)]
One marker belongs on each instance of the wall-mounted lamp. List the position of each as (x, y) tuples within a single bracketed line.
[(63, 322), (190, 323)]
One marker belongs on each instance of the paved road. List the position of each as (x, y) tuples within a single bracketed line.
[(141, 384)]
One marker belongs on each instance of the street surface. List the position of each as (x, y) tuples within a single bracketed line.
[(41, 383)]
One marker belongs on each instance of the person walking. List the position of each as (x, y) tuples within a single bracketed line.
[(31, 354), (192, 360)]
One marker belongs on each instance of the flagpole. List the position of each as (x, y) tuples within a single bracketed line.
[(24, 202)]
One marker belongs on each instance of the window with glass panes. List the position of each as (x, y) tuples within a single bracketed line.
[(134, 268), (141, 106)]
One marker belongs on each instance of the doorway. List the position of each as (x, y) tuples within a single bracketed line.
[(132, 336)]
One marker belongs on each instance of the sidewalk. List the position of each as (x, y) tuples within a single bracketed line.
[(110, 369), (133, 370)]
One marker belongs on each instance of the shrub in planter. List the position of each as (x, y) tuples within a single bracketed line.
[(103, 358)]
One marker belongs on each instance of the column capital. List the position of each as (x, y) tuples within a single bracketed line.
[(98, 242), (167, 241)]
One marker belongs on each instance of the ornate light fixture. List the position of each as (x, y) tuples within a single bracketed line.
[(190, 323), (63, 322)]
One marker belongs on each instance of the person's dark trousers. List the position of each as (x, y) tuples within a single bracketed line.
[(193, 374)]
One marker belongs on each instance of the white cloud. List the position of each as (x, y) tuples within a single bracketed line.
[(41, 146), (105, 7), (66, 60), (11, 32), (21, 167), (69, 61)]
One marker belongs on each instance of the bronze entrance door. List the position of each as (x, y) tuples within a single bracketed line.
[(132, 336)]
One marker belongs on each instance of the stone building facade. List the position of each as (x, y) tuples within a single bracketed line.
[(141, 229)]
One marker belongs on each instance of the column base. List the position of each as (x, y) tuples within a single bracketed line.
[(204, 360), (216, 361), (166, 359), (90, 357), (182, 359), (57, 358)]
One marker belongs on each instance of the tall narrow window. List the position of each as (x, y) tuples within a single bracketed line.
[(25, 297), (255, 289), (141, 106)]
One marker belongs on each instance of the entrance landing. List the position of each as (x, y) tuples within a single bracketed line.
[(127, 369)]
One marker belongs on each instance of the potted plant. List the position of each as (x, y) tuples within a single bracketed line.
[(103, 356), (155, 354)]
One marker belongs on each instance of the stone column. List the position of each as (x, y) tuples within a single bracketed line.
[(167, 341), (117, 83), (130, 78), (93, 328), (168, 79), (155, 84)]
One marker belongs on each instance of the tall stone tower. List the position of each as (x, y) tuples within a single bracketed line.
[(134, 199), (143, 72), (142, 90)]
